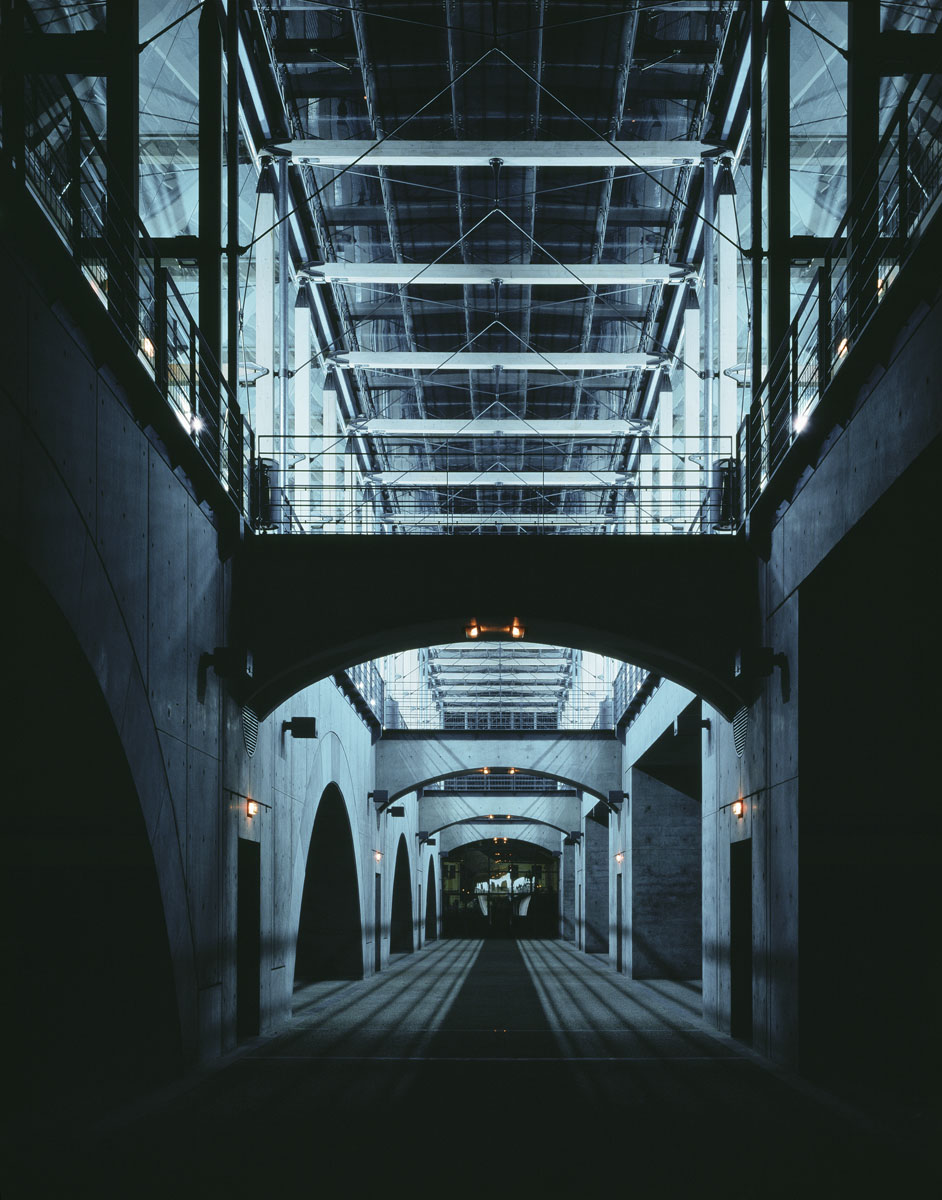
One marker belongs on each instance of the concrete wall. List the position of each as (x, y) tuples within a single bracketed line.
[(844, 596), (596, 885), (662, 880), (116, 538)]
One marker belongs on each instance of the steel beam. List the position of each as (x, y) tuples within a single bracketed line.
[(472, 520), (498, 478), (470, 360), (329, 153), (509, 274), (507, 427)]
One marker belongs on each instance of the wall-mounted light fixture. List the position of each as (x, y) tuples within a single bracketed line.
[(620, 856), (254, 807), (378, 855), (396, 811), (485, 770), (476, 629), (739, 808), (380, 798), (300, 727)]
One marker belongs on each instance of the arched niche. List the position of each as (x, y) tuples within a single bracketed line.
[(401, 939), (330, 936), (431, 904)]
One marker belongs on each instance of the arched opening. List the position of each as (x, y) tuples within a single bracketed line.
[(400, 924), (500, 887), (431, 905), (330, 940), (89, 995)]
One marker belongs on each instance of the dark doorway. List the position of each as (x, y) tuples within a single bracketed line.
[(619, 922), (378, 923), (400, 924), (740, 939), (431, 908), (89, 1000), (248, 938), (330, 940)]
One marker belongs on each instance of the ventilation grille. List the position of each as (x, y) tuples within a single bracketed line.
[(740, 727), (249, 730)]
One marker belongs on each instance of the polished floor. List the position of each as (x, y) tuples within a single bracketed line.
[(485, 1068)]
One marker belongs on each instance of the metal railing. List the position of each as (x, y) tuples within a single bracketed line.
[(873, 242), (319, 485), (499, 783), (59, 160), (369, 682)]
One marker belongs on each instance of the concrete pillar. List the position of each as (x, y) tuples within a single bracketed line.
[(595, 875), (662, 901), (567, 893)]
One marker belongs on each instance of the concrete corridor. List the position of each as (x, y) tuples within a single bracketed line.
[(473, 1064)]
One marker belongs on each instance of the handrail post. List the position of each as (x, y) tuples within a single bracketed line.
[(161, 330), (75, 176), (794, 368), (824, 325), (903, 168)]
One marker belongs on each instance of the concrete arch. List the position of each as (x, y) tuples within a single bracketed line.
[(483, 823), (681, 607), (91, 988), (589, 761), (560, 810), (538, 835), (80, 586)]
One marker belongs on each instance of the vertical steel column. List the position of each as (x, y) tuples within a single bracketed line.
[(122, 103), (779, 134), (12, 85), (709, 294), (301, 382), (265, 311), (757, 55), (75, 176), (331, 492), (233, 289), (665, 457), (210, 222), (693, 401), (863, 128), (284, 314), (728, 306)]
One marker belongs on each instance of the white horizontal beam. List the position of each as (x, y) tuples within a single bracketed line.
[(504, 478), (530, 520), (511, 274), (471, 360), (482, 427), (328, 153)]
